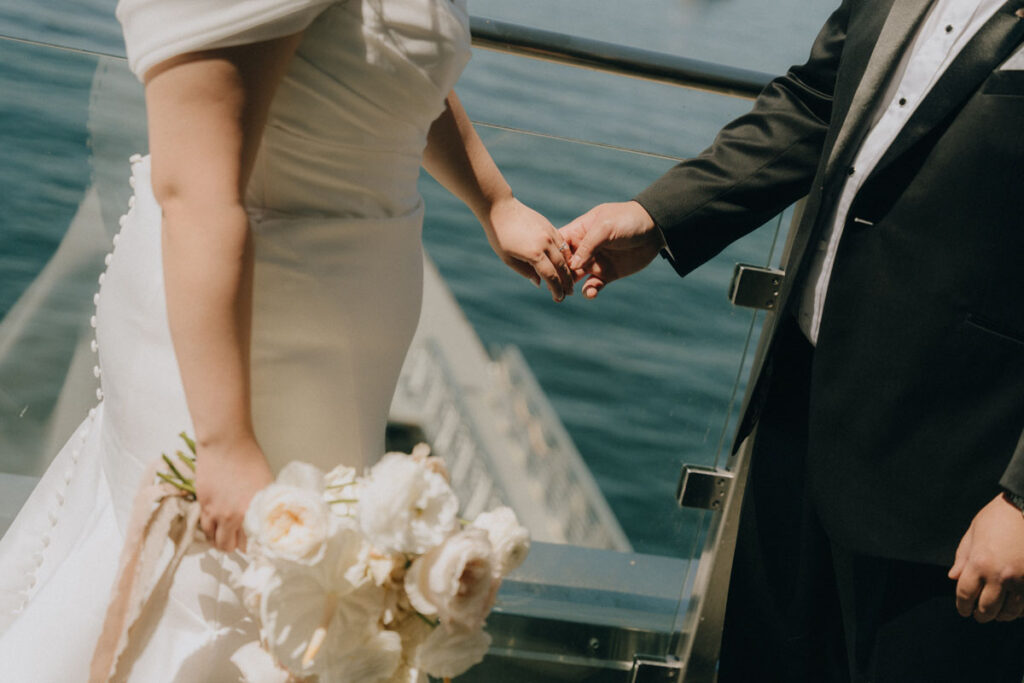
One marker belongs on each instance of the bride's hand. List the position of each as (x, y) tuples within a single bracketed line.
[(227, 477), (529, 245)]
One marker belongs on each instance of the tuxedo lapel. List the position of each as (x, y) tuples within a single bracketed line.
[(903, 19), (993, 43)]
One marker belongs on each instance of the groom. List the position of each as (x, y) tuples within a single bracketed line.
[(882, 537)]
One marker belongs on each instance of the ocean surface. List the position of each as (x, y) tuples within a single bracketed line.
[(644, 378)]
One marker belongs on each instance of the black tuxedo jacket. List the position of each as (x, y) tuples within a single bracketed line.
[(918, 378)]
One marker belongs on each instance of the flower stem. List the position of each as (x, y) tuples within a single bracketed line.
[(343, 500), (188, 442), (181, 485), (189, 462), (174, 469)]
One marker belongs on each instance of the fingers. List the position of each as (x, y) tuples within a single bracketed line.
[(592, 286), (558, 253), (962, 552), (594, 235), (990, 603), (524, 269), (1013, 607), (546, 269), (549, 265), (968, 588), (222, 534), (208, 525)]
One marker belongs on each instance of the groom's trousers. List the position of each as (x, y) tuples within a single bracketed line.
[(804, 609)]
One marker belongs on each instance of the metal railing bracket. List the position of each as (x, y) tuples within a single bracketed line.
[(655, 669), (703, 487), (755, 286)]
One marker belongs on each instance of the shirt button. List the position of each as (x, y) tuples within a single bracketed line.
[(851, 170), (903, 101), (949, 28)]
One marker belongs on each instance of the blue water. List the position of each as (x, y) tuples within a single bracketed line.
[(642, 377)]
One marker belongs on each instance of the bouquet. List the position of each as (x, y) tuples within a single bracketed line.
[(369, 578)]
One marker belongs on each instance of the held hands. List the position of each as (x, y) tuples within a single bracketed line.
[(989, 566), (529, 245), (227, 477), (610, 242)]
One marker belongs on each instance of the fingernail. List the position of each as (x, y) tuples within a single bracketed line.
[(575, 261)]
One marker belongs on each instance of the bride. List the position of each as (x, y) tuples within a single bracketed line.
[(261, 295)]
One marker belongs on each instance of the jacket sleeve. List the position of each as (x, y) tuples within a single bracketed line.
[(1013, 477), (758, 164)]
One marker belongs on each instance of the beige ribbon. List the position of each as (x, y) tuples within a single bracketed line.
[(160, 513)]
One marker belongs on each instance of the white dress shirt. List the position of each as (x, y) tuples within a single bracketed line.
[(948, 27)]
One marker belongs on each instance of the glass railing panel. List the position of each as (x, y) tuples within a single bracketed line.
[(87, 25)]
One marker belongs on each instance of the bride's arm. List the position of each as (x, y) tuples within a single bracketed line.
[(206, 113), (456, 157)]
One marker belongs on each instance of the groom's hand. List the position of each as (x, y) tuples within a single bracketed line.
[(610, 242), (989, 567)]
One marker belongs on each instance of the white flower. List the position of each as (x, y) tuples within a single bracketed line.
[(303, 606), (406, 674), (257, 665), (289, 519), (455, 581), (421, 454), (373, 656), (340, 476), (509, 540), (404, 507), (447, 652), (254, 582), (341, 490)]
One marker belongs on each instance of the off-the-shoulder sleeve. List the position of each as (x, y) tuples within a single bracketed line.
[(155, 30)]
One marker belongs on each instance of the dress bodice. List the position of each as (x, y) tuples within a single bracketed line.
[(349, 122)]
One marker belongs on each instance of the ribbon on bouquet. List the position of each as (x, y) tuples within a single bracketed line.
[(160, 513)]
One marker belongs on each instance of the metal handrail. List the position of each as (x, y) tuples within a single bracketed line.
[(661, 67)]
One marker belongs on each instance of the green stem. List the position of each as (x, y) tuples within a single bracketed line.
[(189, 462), (188, 442), (343, 500), (177, 484), (174, 469), (340, 486)]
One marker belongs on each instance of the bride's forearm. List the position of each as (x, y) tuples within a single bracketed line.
[(208, 277), (457, 158)]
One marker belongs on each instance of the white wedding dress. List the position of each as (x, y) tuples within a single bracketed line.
[(336, 217)]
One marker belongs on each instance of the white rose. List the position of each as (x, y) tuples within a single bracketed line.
[(447, 652), (455, 581), (509, 540), (289, 519), (404, 507)]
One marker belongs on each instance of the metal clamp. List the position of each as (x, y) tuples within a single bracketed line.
[(703, 487), (755, 286), (656, 669)]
